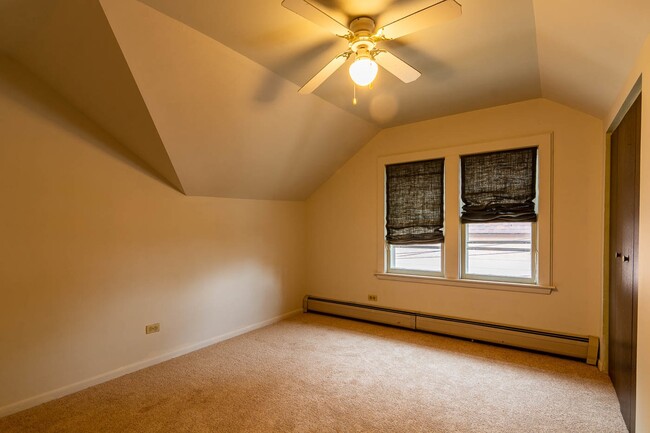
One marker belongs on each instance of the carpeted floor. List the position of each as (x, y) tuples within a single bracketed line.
[(321, 374)]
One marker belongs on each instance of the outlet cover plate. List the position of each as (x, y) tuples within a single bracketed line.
[(150, 329)]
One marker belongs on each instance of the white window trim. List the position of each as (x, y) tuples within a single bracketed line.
[(468, 284), (452, 248)]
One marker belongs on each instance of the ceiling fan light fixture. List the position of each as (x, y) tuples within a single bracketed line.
[(363, 37), (363, 70)]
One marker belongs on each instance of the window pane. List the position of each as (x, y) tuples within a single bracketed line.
[(499, 249), (416, 257)]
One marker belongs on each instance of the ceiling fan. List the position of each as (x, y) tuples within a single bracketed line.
[(363, 38)]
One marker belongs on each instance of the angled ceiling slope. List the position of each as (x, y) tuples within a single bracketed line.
[(206, 92), (487, 57), (587, 49), (232, 127), (578, 53), (70, 46)]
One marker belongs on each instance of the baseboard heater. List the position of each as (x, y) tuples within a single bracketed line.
[(575, 346)]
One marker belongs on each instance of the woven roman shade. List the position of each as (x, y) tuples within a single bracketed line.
[(499, 186), (414, 202)]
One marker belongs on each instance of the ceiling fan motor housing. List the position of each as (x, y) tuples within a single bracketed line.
[(363, 41), (362, 24)]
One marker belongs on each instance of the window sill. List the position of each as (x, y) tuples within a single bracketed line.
[(470, 284)]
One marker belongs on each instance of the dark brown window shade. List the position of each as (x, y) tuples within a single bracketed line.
[(499, 186), (414, 202)]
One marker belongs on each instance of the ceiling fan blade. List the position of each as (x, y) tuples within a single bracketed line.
[(442, 11), (324, 73), (397, 67), (316, 15)]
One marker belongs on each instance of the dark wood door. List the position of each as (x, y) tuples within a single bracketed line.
[(624, 211)]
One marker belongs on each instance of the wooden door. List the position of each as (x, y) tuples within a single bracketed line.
[(624, 215)]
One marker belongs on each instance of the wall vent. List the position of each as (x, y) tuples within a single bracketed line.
[(575, 346)]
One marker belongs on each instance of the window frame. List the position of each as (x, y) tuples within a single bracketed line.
[(452, 249)]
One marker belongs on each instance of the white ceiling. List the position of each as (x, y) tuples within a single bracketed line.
[(587, 49), (69, 45), (487, 57), (205, 92)]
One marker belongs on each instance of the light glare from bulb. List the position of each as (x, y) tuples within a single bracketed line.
[(363, 71)]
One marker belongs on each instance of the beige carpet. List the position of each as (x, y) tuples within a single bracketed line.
[(322, 374)]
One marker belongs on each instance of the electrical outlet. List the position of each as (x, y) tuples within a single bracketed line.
[(372, 298), (150, 329)]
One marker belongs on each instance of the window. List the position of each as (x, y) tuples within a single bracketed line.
[(424, 258), (500, 251), (504, 249), (498, 192), (415, 216)]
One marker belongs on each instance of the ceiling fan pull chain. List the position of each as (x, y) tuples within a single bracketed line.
[(354, 92)]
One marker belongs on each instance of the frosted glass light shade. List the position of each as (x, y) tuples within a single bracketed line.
[(363, 71)]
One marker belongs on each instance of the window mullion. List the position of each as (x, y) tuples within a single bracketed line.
[(452, 206)]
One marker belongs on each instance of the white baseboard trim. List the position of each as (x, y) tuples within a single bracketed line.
[(113, 374)]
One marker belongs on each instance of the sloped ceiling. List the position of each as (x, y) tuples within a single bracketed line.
[(587, 48), (256, 137), (70, 45), (205, 92), (492, 46), (205, 118)]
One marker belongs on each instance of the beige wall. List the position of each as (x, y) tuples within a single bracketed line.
[(93, 248), (642, 68), (342, 221)]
